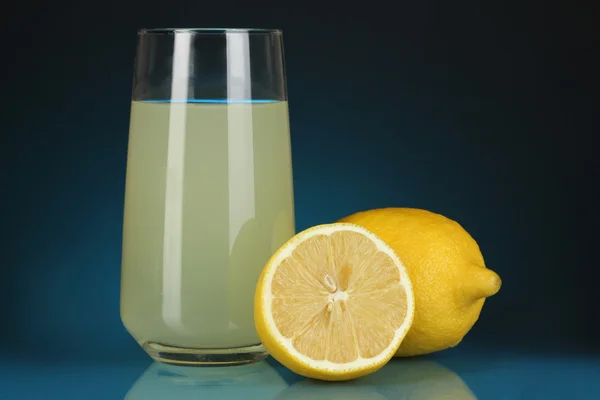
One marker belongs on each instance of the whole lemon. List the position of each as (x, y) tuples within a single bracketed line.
[(449, 277)]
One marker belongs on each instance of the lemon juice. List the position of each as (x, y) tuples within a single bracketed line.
[(208, 200)]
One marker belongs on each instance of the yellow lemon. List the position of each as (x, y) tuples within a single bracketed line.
[(449, 277), (333, 303)]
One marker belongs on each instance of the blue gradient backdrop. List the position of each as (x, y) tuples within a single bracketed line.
[(481, 113)]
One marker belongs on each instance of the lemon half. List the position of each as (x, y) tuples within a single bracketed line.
[(333, 303)]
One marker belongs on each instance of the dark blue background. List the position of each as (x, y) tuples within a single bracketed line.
[(484, 113)]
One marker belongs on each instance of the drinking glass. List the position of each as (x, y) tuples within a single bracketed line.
[(208, 195)]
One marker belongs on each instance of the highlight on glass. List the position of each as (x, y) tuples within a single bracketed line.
[(209, 194)]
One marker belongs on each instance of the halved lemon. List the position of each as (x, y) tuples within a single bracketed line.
[(333, 303)]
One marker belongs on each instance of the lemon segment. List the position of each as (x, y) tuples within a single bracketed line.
[(334, 303)]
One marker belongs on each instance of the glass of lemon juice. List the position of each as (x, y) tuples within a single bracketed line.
[(208, 195)]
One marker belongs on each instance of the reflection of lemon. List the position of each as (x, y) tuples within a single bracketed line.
[(447, 271), (283, 229), (417, 379), (248, 253), (251, 381), (255, 242), (316, 390), (420, 379), (333, 303)]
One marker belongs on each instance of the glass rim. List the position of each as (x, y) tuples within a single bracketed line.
[(169, 31)]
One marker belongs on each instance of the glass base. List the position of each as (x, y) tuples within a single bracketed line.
[(205, 357)]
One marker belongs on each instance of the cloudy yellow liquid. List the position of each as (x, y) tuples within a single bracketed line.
[(208, 200)]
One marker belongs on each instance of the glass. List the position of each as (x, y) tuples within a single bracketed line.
[(208, 195)]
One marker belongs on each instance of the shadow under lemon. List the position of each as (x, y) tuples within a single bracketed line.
[(257, 381), (414, 379)]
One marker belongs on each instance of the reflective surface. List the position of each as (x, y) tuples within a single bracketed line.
[(454, 375)]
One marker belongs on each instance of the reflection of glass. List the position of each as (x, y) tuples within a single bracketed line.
[(209, 190), (415, 379), (257, 381)]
